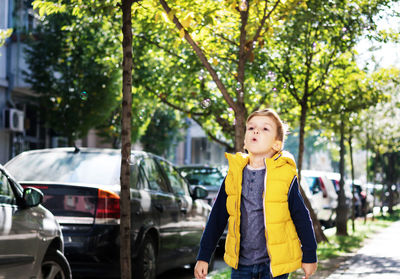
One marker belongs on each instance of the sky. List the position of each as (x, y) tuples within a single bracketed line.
[(388, 54)]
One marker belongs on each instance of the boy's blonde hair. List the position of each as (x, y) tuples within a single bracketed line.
[(281, 127)]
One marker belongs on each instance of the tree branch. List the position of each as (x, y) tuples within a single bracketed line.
[(322, 80), (263, 20), (141, 36), (228, 40), (214, 138), (165, 101), (289, 80), (203, 59), (225, 124)]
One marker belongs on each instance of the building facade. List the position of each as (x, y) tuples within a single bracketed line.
[(19, 116), (21, 127)]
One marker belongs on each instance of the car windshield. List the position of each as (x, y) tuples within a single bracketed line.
[(203, 176), (67, 167)]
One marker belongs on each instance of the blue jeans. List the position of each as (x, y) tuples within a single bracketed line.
[(256, 271)]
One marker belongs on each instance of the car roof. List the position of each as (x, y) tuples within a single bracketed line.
[(87, 150), (79, 149)]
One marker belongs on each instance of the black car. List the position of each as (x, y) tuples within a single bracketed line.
[(82, 187), (210, 177), (31, 242)]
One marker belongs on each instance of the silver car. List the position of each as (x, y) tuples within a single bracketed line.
[(31, 243)]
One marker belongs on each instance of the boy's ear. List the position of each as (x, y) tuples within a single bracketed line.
[(277, 146)]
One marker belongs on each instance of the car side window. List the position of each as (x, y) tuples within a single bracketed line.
[(6, 193), (313, 183), (142, 182), (156, 181), (178, 184)]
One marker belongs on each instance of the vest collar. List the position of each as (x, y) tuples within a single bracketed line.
[(237, 161), (279, 159), (240, 160)]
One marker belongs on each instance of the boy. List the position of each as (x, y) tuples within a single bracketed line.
[(261, 202)]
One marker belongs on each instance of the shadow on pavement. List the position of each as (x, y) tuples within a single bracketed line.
[(363, 264)]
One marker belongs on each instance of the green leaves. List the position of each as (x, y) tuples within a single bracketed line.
[(78, 87), (48, 8), (285, 54), (4, 34)]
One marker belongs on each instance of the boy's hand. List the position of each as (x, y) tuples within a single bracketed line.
[(309, 269), (201, 270)]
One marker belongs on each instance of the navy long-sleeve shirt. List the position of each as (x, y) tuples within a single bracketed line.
[(299, 213)]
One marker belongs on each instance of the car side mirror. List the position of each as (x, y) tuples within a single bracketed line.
[(199, 192), (32, 197)]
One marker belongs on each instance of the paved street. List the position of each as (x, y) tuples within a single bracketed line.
[(187, 273), (379, 258)]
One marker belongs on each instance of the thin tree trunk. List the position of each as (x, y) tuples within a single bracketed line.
[(341, 210), (125, 226), (375, 182), (391, 180), (319, 233), (352, 182), (367, 171)]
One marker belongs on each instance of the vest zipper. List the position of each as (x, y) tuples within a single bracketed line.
[(265, 216), (234, 231)]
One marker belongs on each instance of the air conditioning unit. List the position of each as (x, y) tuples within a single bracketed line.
[(13, 119)]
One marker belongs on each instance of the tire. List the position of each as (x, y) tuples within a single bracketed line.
[(55, 266), (144, 266)]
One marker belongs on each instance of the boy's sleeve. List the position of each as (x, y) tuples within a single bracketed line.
[(302, 221), (215, 226)]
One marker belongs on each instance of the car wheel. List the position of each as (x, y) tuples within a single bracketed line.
[(145, 263), (55, 266)]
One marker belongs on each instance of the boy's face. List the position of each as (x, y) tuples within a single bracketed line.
[(261, 136)]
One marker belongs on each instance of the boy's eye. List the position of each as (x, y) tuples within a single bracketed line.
[(265, 129), (250, 128)]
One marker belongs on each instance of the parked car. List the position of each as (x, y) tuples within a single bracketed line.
[(210, 177), (82, 189), (31, 242), (363, 198), (322, 195), (335, 178)]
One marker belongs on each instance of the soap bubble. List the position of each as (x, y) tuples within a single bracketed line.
[(84, 95), (205, 103)]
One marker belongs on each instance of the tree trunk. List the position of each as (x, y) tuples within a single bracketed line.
[(240, 129), (319, 233), (374, 171), (125, 225), (375, 182), (391, 180), (352, 182), (341, 210)]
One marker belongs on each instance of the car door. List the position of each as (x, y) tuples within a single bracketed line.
[(190, 220), (165, 212), (18, 233)]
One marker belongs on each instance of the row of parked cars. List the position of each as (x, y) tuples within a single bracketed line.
[(321, 188), (63, 214)]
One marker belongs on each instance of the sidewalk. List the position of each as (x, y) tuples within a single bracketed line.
[(379, 258)]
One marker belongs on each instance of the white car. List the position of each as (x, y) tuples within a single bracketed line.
[(322, 195)]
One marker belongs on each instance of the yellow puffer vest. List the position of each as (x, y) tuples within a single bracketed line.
[(283, 244)]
